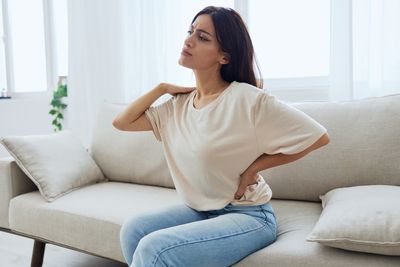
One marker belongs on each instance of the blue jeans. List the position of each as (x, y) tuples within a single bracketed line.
[(181, 236)]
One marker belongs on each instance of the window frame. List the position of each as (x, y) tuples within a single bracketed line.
[(49, 52), (317, 88), (311, 88)]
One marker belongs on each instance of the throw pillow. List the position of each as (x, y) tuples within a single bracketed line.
[(57, 163), (360, 218)]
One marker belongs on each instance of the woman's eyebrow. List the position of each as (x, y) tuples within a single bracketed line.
[(201, 30)]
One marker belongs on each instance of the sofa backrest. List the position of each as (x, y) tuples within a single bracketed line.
[(364, 149), (134, 157)]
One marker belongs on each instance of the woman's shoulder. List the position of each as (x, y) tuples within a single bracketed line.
[(249, 91), (255, 98)]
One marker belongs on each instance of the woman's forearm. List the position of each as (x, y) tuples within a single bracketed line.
[(266, 161), (137, 107)]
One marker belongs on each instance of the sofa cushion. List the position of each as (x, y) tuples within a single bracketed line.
[(85, 219), (295, 220), (360, 218), (364, 141), (134, 157), (57, 163), (89, 218)]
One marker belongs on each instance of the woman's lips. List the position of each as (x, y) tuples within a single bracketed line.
[(185, 53)]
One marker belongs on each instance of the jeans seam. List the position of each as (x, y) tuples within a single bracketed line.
[(271, 225), (203, 240), (265, 216)]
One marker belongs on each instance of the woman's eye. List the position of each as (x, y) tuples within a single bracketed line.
[(203, 39)]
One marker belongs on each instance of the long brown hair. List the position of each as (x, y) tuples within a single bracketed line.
[(234, 39)]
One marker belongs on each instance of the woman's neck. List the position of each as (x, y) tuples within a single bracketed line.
[(209, 85)]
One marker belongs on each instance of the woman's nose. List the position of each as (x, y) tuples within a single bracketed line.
[(189, 41)]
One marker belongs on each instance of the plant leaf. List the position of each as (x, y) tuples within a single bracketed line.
[(55, 102), (63, 90)]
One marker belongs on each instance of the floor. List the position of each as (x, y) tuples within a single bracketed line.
[(16, 251)]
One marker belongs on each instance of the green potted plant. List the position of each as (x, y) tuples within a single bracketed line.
[(57, 105)]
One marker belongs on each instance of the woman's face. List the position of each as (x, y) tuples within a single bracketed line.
[(201, 49)]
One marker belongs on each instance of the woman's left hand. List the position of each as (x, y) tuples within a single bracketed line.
[(247, 179)]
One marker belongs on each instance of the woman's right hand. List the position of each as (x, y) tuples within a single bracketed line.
[(175, 89)]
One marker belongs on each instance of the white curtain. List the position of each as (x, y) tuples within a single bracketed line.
[(376, 47), (153, 37), (120, 49), (365, 55), (95, 61)]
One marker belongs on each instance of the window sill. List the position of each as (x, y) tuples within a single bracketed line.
[(28, 95)]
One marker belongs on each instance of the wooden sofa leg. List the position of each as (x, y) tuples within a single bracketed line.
[(38, 253)]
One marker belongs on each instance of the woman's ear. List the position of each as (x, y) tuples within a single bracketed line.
[(224, 59)]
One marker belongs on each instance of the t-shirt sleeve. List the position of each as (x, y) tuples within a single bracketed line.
[(281, 128), (159, 116)]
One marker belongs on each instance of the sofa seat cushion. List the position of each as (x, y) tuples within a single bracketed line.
[(295, 221), (88, 218)]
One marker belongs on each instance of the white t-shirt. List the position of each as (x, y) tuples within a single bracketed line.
[(207, 149)]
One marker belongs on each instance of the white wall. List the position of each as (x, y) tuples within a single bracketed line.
[(25, 116)]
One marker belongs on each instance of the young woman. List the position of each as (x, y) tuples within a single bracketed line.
[(216, 138)]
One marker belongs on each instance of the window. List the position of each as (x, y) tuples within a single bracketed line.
[(33, 51), (294, 58), (291, 38), (60, 20), (27, 40), (3, 79)]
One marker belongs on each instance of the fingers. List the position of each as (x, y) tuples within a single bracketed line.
[(241, 189), (173, 89), (189, 89), (183, 90), (244, 183), (240, 192)]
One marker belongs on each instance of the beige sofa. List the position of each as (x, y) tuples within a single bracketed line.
[(364, 150)]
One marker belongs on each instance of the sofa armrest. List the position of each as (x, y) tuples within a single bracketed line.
[(13, 182)]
